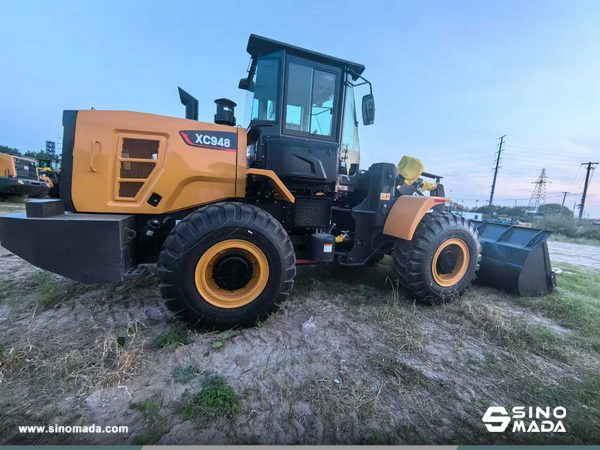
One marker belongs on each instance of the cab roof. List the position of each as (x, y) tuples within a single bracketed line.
[(258, 45)]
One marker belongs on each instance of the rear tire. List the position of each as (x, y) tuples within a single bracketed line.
[(225, 265), (441, 260)]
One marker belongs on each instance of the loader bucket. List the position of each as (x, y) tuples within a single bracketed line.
[(515, 259)]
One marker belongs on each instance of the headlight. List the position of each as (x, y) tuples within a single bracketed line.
[(20, 182)]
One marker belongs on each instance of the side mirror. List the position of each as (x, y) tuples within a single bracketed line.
[(368, 109)]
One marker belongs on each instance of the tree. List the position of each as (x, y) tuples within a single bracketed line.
[(40, 155), (9, 150), (554, 209)]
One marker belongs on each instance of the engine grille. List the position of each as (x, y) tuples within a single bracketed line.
[(136, 169), (311, 212), (129, 189), (140, 148), (133, 149), (25, 169)]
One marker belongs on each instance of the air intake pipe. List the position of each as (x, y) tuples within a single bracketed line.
[(190, 103), (225, 112)]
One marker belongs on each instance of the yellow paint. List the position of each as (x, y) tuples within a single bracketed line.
[(221, 298), (275, 182), (463, 258), (406, 214), (184, 176)]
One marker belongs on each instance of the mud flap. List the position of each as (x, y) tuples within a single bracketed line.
[(515, 259)]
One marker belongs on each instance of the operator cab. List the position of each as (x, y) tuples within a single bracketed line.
[(301, 114)]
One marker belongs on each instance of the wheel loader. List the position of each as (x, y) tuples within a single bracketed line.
[(19, 177), (227, 213)]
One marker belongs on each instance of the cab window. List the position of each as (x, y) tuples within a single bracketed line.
[(264, 103), (310, 99)]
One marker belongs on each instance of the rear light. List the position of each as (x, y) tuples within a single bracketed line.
[(20, 182)]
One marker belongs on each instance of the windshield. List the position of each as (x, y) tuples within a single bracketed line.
[(261, 100), (350, 148)]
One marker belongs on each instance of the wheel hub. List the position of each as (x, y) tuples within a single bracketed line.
[(232, 271), (450, 262), (446, 261)]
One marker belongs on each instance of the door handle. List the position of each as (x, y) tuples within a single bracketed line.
[(92, 154)]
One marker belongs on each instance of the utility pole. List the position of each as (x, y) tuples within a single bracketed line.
[(590, 166), (497, 167), (564, 197)]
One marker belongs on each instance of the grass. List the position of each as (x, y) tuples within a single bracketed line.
[(143, 440), (13, 199), (100, 364), (534, 363), (172, 339), (575, 304), (150, 409), (5, 289), (51, 290), (183, 375), (217, 399)]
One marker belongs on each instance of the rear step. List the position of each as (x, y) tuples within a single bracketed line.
[(515, 259)]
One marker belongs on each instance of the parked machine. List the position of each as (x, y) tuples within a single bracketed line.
[(51, 177), (228, 212), (18, 177)]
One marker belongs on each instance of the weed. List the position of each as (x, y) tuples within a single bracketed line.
[(149, 410), (5, 289), (172, 339), (223, 337), (379, 439), (1, 348), (143, 439), (184, 375), (217, 399), (50, 290), (14, 199)]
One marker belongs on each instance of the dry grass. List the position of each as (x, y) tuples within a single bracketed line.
[(110, 359)]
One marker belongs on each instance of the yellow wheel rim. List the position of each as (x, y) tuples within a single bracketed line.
[(451, 277), (218, 278)]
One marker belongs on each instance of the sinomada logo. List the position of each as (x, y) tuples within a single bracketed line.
[(525, 419)]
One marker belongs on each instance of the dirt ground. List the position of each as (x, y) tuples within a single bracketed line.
[(346, 360), (579, 255)]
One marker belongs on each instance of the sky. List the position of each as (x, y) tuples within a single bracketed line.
[(449, 77)]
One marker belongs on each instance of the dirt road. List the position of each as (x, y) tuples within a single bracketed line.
[(575, 254)]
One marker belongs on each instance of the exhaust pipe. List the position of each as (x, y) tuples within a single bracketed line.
[(190, 103)]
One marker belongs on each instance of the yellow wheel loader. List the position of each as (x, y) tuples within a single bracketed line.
[(228, 213), (19, 177)]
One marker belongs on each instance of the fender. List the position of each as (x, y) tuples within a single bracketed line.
[(406, 214), (275, 182)]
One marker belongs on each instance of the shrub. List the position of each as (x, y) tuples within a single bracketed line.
[(558, 224), (215, 400), (589, 231)]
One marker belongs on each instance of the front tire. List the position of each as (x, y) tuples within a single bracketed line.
[(441, 260), (225, 265)]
